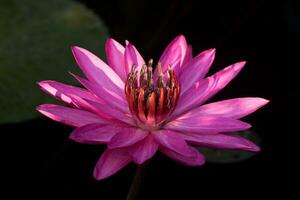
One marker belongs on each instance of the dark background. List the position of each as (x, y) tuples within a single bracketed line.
[(41, 161)]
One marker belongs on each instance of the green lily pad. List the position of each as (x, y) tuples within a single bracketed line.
[(35, 41), (231, 156)]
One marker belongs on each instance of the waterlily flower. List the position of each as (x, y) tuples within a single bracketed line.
[(136, 111)]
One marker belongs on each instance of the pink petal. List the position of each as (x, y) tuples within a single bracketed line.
[(221, 141), (196, 69), (110, 162), (94, 133), (112, 98), (231, 108), (143, 150), (69, 116), (133, 57), (65, 92), (206, 88), (115, 57), (97, 71), (173, 141), (104, 110), (127, 137), (206, 124), (188, 55), (80, 98), (90, 106), (174, 55), (196, 159)]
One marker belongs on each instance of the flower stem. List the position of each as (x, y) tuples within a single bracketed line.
[(137, 182)]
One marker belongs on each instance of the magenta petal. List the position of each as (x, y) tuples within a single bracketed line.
[(127, 137), (115, 57), (60, 91), (97, 71), (206, 88), (65, 92), (104, 110), (143, 150), (112, 98), (133, 57), (173, 141), (174, 55), (206, 124), (188, 55), (94, 133), (80, 98), (222, 141), (69, 116), (196, 159), (196, 69), (110, 162), (114, 113), (231, 108)]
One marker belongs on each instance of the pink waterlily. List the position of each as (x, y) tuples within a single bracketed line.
[(136, 112)]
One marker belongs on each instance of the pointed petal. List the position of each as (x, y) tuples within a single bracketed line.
[(188, 55), (143, 150), (115, 57), (231, 108), (110, 162), (65, 92), (206, 88), (174, 55), (112, 98), (196, 159), (104, 110), (196, 69), (133, 57), (80, 98), (94, 133), (90, 106), (69, 116), (221, 141), (173, 141), (206, 124), (127, 137), (97, 71)]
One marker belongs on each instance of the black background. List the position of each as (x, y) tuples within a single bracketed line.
[(40, 161)]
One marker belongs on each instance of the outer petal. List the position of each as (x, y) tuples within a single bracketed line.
[(127, 137), (206, 88), (196, 69), (66, 93), (222, 141), (69, 116), (143, 150), (196, 159), (61, 91), (80, 98), (231, 108), (97, 71), (188, 55), (112, 98), (104, 110), (174, 55), (110, 162), (94, 133), (115, 57), (173, 141), (133, 57), (206, 124)]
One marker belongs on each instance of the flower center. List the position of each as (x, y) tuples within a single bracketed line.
[(151, 102)]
